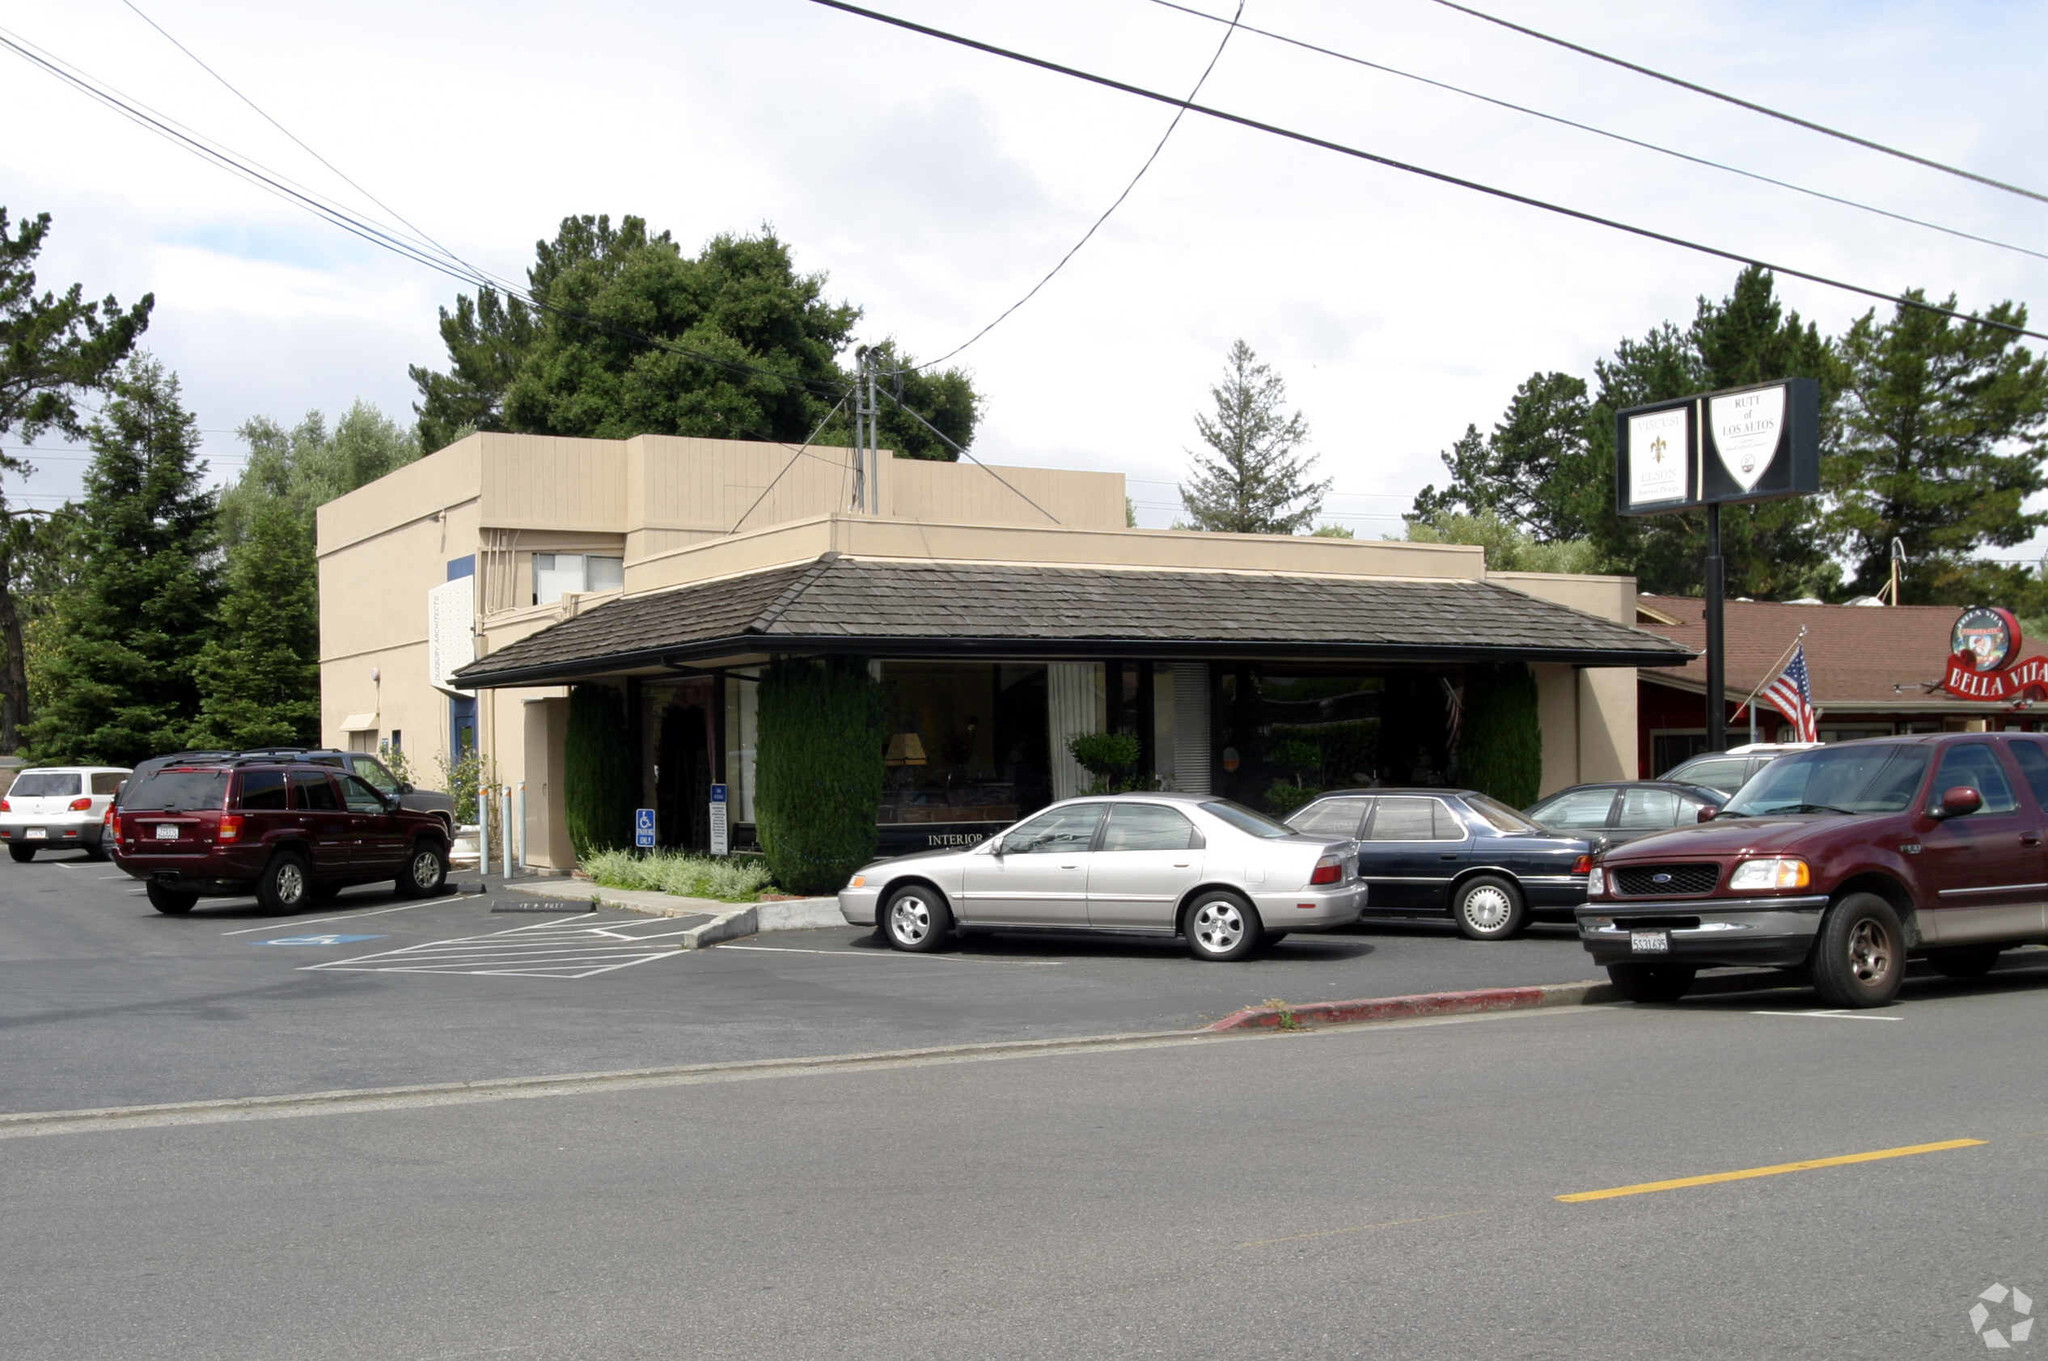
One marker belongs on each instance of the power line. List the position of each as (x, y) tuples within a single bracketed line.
[(1739, 102), (1442, 177), (1086, 236), (1607, 133)]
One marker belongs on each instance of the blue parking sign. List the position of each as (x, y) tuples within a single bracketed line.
[(643, 827)]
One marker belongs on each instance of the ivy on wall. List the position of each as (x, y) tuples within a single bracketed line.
[(597, 771), (1500, 744)]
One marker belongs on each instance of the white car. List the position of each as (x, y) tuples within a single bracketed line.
[(58, 806), (1226, 878)]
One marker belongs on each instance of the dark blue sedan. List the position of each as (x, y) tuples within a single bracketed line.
[(1454, 851)]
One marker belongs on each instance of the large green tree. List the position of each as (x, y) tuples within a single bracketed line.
[(130, 626), (1527, 472), (1943, 433), (628, 336), (52, 348), (1251, 479), (310, 464), (259, 672)]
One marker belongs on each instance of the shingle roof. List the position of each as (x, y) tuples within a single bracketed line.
[(1854, 653), (894, 605)]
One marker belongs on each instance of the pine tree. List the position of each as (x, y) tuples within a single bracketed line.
[(1254, 482), (259, 675), (132, 622)]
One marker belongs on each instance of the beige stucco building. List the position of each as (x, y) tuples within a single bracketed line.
[(1004, 609)]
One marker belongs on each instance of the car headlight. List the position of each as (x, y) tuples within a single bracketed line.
[(858, 881), (1773, 873), (1596, 882)]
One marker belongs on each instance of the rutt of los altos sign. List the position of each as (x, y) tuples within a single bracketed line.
[(1745, 444), (1984, 659)]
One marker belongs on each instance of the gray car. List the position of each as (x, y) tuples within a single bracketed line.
[(1226, 878)]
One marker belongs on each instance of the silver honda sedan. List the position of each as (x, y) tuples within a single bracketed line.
[(1223, 876)]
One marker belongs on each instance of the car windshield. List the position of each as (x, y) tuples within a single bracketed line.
[(1880, 778), (1503, 818), (178, 791), (32, 784), (1245, 820)]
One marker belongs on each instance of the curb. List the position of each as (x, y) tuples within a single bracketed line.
[(728, 921), (1281, 1016)]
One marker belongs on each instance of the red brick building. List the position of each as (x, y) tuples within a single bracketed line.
[(1875, 671)]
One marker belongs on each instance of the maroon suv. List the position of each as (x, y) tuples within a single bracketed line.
[(287, 831), (1838, 862)]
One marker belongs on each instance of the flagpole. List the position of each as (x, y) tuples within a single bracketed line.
[(1770, 674)]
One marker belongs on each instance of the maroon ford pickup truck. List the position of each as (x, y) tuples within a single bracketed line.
[(1841, 863)]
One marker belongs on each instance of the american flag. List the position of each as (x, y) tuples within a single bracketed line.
[(1792, 695)]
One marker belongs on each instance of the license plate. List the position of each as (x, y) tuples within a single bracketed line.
[(1649, 942), (38, 833), (166, 831)]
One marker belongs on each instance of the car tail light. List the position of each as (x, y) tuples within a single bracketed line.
[(80, 805), (113, 822), (1583, 865), (230, 827), (5, 806), (1328, 870)]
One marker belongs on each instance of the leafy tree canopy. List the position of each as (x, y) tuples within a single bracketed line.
[(630, 337), (1508, 548), (308, 465), (1251, 480)]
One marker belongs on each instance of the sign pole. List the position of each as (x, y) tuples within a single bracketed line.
[(1717, 702)]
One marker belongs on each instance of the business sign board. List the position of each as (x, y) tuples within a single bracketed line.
[(1984, 659), (1746, 444)]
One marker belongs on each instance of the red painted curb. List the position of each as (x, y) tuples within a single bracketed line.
[(1268, 1017)]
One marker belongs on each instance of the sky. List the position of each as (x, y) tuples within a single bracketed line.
[(934, 186)]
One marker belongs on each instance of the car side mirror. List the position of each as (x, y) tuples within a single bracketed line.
[(1960, 801), (1707, 812), (995, 847), (405, 786)]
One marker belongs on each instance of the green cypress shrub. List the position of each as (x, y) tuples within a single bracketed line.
[(1500, 744), (597, 771), (818, 764)]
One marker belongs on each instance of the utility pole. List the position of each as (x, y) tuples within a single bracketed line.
[(867, 413)]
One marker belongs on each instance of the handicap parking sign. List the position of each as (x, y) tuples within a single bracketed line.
[(315, 940), (643, 827)]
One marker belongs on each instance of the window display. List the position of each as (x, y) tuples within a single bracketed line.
[(966, 743)]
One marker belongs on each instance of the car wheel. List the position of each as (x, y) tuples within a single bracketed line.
[(1860, 957), (1489, 908), (915, 918), (22, 854), (1967, 961), (1222, 927), (426, 869), (1651, 982), (170, 901), (286, 884)]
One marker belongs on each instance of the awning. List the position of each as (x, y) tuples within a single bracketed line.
[(894, 607), (359, 723)]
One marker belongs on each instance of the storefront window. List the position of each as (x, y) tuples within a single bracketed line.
[(966, 742), (1286, 734)]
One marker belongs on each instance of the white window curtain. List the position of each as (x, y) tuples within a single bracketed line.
[(1076, 703), (1191, 751)]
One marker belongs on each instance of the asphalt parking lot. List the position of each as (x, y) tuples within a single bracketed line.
[(105, 1002)]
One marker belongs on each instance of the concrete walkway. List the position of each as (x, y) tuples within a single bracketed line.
[(729, 921)]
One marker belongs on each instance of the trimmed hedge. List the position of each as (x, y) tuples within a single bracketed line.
[(818, 767), (598, 794), (1500, 745)]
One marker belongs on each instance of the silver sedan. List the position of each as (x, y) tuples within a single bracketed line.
[(1223, 876)]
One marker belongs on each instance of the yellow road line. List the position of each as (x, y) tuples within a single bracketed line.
[(1807, 1165), (1358, 1228)]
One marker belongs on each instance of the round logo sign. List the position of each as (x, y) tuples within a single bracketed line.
[(1990, 637)]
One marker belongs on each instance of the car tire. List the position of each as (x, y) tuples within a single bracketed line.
[(1488, 907), (1652, 982), (1221, 927), (1964, 961), (22, 854), (916, 919), (96, 851), (1859, 958), (286, 884), (170, 901), (426, 871)]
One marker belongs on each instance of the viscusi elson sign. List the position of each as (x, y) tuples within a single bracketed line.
[(1984, 661)]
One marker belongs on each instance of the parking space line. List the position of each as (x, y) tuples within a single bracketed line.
[(1776, 1169), (891, 954), (349, 916), (1831, 1015)]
